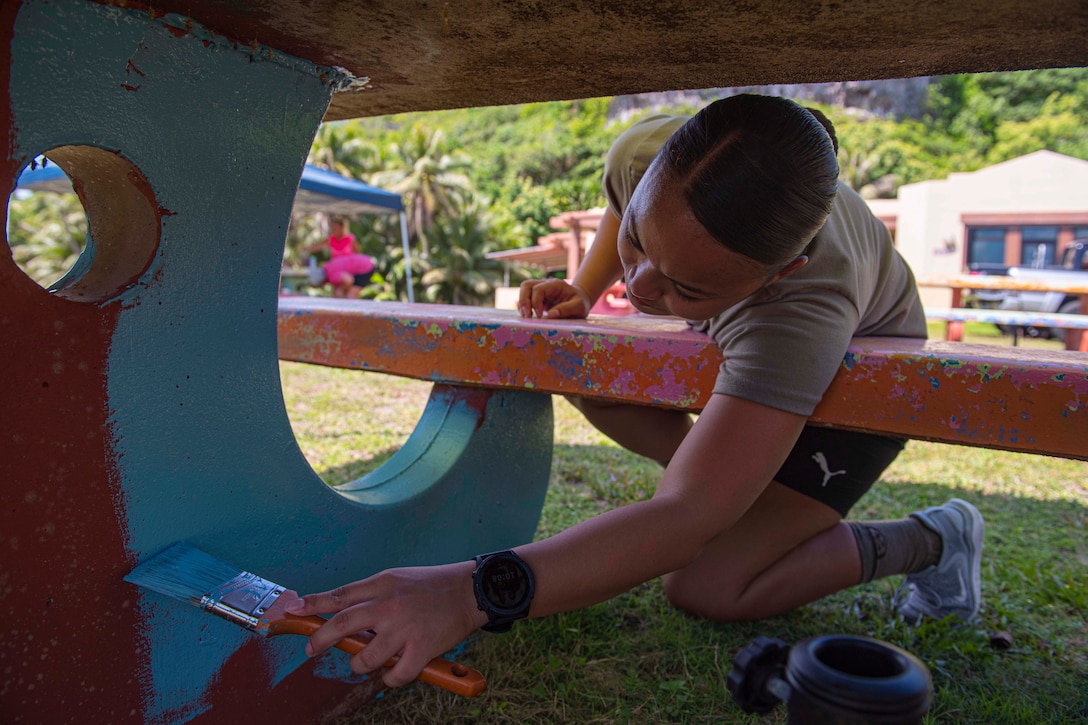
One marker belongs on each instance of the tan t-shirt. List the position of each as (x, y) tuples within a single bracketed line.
[(784, 344)]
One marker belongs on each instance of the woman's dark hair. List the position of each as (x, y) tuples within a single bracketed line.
[(758, 172)]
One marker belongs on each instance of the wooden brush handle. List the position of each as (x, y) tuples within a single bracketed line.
[(440, 672)]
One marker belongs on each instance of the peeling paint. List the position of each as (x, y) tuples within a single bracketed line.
[(919, 387)]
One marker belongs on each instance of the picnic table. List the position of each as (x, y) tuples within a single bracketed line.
[(1075, 339), (142, 399)]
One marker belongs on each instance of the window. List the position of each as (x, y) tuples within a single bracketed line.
[(986, 249), (1039, 247)]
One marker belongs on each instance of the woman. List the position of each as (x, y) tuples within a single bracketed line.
[(348, 270), (734, 220)]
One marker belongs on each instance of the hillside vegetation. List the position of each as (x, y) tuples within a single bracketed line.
[(483, 179)]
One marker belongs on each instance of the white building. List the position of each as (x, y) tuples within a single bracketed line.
[(1019, 212)]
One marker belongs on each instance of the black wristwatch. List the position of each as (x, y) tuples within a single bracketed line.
[(504, 588)]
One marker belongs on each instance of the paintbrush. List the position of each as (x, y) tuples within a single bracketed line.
[(195, 577)]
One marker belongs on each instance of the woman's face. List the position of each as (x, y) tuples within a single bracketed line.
[(671, 264)]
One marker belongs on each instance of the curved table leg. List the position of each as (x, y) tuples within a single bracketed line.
[(142, 400)]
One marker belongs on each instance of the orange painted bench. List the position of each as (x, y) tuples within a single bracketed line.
[(1017, 399)]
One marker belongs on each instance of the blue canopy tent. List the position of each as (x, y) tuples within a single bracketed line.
[(319, 190)]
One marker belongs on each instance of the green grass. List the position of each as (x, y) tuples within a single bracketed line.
[(635, 659), (986, 334)]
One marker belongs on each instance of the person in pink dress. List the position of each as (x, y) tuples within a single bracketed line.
[(347, 270)]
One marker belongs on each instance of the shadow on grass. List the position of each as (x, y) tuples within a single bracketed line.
[(636, 659)]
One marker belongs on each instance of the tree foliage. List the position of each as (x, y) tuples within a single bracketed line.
[(482, 179), (460, 272), (430, 176), (46, 232), (993, 117)]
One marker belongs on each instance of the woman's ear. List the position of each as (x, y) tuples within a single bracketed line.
[(789, 269)]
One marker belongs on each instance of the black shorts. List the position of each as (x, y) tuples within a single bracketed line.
[(362, 280), (837, 467)]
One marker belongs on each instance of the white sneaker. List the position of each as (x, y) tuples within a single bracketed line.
[(954, 584)]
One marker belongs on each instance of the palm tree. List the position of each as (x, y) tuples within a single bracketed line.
[(345, 148), (430, 177), (460, 273)]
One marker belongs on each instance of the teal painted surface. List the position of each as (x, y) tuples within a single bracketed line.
[(205, 452)]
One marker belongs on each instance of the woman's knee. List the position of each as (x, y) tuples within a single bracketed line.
[(719, 601)]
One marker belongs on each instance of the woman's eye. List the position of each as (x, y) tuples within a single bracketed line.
[(631, 240), (686, 297)]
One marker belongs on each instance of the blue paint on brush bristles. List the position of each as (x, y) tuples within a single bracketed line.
[(187, 573), (183, 572)]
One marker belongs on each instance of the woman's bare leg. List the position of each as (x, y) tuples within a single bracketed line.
[(787, 550), (652, 432)]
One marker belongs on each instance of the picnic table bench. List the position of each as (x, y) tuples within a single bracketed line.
[(1015, 319), (957, 314), (1028, 400)]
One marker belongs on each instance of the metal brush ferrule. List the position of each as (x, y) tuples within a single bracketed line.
[(243, 599)]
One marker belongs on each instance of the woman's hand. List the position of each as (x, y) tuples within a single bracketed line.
[(552, 298), (416, 615)]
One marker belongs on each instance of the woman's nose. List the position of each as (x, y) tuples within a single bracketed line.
[(642, 283)]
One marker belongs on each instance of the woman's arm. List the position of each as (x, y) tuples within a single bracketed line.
[(732, 452), (601, 267)]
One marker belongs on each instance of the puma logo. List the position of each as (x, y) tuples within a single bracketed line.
[(821, 460)]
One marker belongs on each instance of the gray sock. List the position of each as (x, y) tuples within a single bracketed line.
[(903, 546)]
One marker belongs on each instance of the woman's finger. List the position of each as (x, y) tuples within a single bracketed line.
[(546, 296), (380, 649), (407, 668), (577, 305), (525, 297), (539, 298), (328, 602), (342, 624), (568, 308), (537, 295)]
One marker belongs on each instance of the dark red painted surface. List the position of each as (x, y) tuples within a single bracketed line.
[(70, 644), (301, 697), (69, 634)]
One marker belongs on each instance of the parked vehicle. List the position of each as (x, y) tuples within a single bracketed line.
[(987, 268), (1073, 266)]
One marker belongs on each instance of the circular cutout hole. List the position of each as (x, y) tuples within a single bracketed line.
[(348, 423), (96, 257)]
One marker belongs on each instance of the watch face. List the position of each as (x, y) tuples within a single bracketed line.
[(504, 583)]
